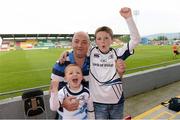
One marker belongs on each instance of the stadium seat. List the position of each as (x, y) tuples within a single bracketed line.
[(33, 102)]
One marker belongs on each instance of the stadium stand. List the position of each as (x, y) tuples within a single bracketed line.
[(38, 41), (5, 46)]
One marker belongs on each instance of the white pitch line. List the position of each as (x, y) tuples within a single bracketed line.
[(35, 70)]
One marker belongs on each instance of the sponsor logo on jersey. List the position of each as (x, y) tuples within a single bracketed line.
[(96, 55), (103, 60)]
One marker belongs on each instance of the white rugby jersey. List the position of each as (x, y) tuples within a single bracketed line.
[(85, 102), (105, 83)]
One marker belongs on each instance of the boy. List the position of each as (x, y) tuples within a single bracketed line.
[(105, 84), (74, 77)]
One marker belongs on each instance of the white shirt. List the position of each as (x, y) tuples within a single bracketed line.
[(85, 102), (105, 83)]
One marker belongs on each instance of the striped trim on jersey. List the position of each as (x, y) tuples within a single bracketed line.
[(84, 89)]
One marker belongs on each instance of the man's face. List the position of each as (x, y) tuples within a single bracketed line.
[(80, 44)]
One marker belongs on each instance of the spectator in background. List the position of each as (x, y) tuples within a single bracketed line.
[(175, 49)]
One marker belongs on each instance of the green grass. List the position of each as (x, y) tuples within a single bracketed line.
[(26, 69), (148, 55)]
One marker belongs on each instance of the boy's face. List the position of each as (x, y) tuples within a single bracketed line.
[(74, 77), (103, 41)]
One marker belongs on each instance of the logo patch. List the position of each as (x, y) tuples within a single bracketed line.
[(96, 55), (110, 56)]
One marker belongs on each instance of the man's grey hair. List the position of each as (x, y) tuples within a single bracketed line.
[(82, 32)]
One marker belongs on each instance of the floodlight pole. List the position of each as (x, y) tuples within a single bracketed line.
[(1, 40), (136, 13)]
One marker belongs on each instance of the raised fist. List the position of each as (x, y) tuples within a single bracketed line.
[(125, 12)]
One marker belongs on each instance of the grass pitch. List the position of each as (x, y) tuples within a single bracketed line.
[(26, 69)]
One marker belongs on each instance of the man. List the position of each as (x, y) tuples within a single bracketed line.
[(175, 49), (80, 46)]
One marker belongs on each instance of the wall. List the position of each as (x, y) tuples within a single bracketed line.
[(133, 84)]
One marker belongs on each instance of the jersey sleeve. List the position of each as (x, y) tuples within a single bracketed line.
[(134, 34), (53, 101), (56, 98), (58, 72), (124, 52), (61, 95), (128, 49)]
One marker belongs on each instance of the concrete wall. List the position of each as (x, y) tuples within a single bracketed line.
[(14, 109), (144, 81), (133, 84)]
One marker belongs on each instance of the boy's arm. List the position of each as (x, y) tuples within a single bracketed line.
[(54, 102), (134, 34), (90, 108)]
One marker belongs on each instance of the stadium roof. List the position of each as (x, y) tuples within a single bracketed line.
[(34, 35), (42, 36)]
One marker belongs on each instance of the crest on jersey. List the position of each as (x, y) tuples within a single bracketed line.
[(110, 56)]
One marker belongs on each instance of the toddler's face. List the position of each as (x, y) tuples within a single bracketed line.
[(74, 77), (103, 41)]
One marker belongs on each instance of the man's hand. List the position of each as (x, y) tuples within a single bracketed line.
[(54, 85), (125, 12), (63, 56), (120, 67), (71, 103)]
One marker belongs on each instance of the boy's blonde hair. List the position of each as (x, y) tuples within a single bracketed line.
[(104, 29), (69, 66)]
